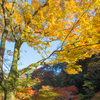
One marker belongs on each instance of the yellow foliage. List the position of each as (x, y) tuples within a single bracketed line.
[(76, 23), (9, 6), (73, 69)]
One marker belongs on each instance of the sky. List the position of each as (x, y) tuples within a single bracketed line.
[(28, 54)]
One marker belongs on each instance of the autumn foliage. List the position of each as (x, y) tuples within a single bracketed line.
[(25, 93), (75, 23), (67, 92), (96, 96), (48, 92)]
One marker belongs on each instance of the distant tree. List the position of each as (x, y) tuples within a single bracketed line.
[(50, 75)]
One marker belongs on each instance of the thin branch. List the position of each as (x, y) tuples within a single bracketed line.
[(40, 62), (39, 9), (20, 29), (0, 4), (73, 27), (13, 33), (13, 6), (46, 4), (6, 66), (86, 45), (4, 9)]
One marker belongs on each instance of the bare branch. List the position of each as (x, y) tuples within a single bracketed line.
[(13, 32)]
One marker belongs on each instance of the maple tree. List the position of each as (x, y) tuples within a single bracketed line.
[(25, 93), (67, 92), (48, 92), (74, 22), (49, 75)]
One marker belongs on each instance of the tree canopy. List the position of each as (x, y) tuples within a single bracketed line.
[(74, 22)]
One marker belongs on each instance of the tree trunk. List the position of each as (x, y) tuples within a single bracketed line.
[(7, 20), (2, 50), (14, 72), (9, 95), (10, 83)]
